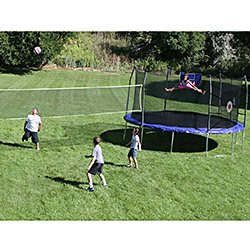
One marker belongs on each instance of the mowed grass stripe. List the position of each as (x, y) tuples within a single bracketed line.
[(62, 78)]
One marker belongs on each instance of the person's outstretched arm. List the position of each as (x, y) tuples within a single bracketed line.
[(91, 162), (25, 123), (40, 127), (139, 145)]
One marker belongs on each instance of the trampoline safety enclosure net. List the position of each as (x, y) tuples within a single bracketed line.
[(185, 110)]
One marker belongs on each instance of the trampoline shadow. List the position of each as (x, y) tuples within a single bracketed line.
[(161, 141), (74, 135)]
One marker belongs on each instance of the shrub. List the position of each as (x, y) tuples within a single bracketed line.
[(78, 52)]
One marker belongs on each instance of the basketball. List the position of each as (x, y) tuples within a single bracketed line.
[(37, 50)]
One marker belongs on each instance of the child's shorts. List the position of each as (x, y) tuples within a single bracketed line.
[(96, 168), (132, 153), (33, 135)]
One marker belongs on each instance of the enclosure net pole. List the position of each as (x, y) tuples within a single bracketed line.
[(127, 104), (143, 105), (165, 101), (209, 112), (232, 145), (172, 142), (220, 94), (245, 111)]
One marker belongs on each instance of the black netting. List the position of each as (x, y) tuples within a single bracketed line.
[(137, 98), (224, 93), (186, 107), (65, 101)]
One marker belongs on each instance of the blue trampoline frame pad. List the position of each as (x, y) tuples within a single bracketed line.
[(172, 126)]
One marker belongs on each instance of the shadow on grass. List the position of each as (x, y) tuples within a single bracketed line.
[(15, 145), (76, 135), (161, 141), (66, 182), (114, 164), (153, 140), (17, 70)]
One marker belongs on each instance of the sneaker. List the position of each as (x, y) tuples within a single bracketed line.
[(105, 185), (129, 166), (89, 189)]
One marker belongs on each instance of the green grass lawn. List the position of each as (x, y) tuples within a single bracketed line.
[(50, 184)]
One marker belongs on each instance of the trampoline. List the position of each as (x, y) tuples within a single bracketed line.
[(184, 122), (219, 109)]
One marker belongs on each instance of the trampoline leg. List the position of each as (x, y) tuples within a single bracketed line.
[(142, 132), (172, 142), (207, 145), (232, 146), (243, 137), (125, 131), (236, 139)]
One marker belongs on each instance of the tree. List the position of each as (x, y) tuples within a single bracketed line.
[(220, 53), (241, 43), (17, 47), (228, 52), (184, 49)]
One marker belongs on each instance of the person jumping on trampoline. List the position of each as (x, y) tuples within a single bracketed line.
[(186, 83)]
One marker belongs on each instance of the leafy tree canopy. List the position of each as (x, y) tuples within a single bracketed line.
[(17, 47)]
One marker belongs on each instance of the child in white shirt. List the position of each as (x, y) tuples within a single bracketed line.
[(135, 145), (32, 126)]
